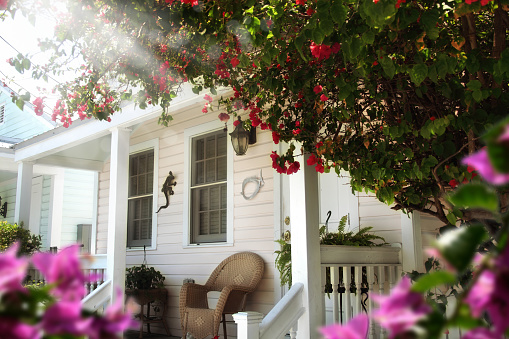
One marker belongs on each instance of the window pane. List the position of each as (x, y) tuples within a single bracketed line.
[(223, 222), (203, 201), (221, 144), (199, 176), (133, 187), (204, 223), (223, 196), (215, 227), (142, 165), (199, 149), (134, 166), (221, 168), (215, 197), (211, 170), (210, 149)]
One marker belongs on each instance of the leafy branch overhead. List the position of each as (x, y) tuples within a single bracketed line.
[(393, 91)]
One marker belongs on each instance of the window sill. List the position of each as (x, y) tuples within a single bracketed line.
[(135, 249), (208, 244)]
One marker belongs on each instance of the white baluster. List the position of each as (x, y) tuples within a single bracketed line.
[(347, 278), (371, 285), (381, 279), (358, 296), (392, 276), (334, 277)]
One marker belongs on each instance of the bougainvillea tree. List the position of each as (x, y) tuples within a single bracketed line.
[(395, 92)]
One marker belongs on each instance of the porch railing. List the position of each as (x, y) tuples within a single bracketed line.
[(349, 276), (93, 266)]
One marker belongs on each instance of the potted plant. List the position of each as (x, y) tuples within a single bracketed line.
[(144, 284)]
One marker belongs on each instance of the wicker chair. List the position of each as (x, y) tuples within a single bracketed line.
[(235, 277)]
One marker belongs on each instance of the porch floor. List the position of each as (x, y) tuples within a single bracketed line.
[(133, 334)]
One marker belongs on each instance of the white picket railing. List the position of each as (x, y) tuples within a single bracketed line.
[(98, 298), (366, 270), (351, 275)]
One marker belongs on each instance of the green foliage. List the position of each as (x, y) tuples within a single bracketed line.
[(143, 278), (361, 238), (11, 233)]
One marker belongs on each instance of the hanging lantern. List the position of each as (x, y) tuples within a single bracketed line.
[(240, 139)]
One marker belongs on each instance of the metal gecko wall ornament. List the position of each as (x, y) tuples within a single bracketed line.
[(258, 182), (168, 189)]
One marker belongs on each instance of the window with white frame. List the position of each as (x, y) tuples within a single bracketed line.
[(140, 212), (208, 189)]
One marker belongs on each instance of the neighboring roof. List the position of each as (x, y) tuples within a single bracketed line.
[(45, 117)]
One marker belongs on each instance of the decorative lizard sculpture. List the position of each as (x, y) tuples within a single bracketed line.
[(168, 189)]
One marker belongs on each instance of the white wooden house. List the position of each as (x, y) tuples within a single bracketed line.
[(131, 157), (61, 198)]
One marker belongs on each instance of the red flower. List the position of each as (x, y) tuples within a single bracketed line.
[(224, 117), (323, 97), (296, 131), (300, 2), (275, 137), (470, 169), (432, 118), (375, 63), (164, 48), (310, 11), (320, 144), (453, 183), (3, 4), (317, 89), (293, 168), (335, 47), (38, 103), (235, 62), (235, 123), (321, 52), (208, 98), (312, 160), (319, 168)]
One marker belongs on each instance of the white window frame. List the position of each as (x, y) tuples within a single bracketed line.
[(189, 134), (152, 144)]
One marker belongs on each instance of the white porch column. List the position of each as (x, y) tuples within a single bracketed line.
[(411, 237), (117, 212), (304, 218), (24, 193)]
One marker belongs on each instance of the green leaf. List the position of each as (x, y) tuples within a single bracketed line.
[(338, 12), (388, 66), (318, 36), (451, 218), (458, 247), (475, 195), (327, 26), (368, 37), (434, 279), (419, 73), (498, 157), (299, 43), (20, 103)]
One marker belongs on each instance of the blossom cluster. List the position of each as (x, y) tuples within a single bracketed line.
[(53, 310)]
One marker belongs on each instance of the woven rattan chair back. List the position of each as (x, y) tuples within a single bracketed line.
[(241, 269)]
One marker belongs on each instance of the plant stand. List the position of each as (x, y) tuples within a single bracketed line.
[(145, 297)]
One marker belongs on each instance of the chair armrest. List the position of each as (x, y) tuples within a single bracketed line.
[(236, 292), (194, 295)]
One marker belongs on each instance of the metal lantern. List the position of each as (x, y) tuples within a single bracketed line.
[(240, 139)]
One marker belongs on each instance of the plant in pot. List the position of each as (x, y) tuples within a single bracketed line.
[(144, 284)]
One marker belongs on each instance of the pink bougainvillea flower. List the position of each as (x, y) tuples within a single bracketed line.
[(275, 137), (357, 328), (64, 270), (12, 270), (65, 317), (323, 97), (317, 89), (400, 310), (312, 160), (39, 105), (481, 293), (224, 117), (481, 162), (480, 333), (114, 321), (505, 134), (14, 329), (293, 168), (3, 4)]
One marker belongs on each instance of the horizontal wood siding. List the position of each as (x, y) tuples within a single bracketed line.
[(78, 203), (45, 211), (8, 194), (19, 124), (252, 219)]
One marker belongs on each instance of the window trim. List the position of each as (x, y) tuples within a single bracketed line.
[(189, 134), (152, 144)]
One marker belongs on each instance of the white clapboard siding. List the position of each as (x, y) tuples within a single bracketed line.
[(253, 225), (45, 211), (77, 203), (20, 124), (8, 194)]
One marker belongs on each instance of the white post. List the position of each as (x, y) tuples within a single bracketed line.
[(23, 193), (304, 218), (412, 242), (117, 210), (248, 324)]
